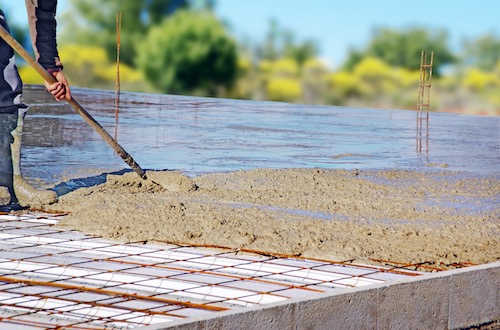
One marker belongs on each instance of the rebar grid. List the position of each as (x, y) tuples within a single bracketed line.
[(52, 278)]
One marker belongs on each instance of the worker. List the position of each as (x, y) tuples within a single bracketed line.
[(15, 192)]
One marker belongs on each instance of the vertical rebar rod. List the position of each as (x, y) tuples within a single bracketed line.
[(117, 84), (420, 104), (424, 97)]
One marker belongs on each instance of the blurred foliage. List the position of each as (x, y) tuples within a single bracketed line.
[(284, 67), (21, 34), (478, 80), (314, 81), (344, 85), (283, 80), (189, 53), (89, 67), (30, 76), (376, 79), (284, 89), (93, 22), (282, 43), (483, 52), (403, 48)]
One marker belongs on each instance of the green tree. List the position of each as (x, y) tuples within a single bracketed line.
[(300, 52), (270, 48), (21, 34), (483, 52), (93, 22), (403, 48), (189, 53), (314, 81), (376, 80), (281, 42), (283, 82)]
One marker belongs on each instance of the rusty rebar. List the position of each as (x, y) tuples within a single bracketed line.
[(117, 82), (83, 288)]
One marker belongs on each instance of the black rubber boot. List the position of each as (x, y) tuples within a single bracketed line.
[(8, 122)]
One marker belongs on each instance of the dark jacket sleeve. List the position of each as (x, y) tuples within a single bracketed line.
[(42, 22)]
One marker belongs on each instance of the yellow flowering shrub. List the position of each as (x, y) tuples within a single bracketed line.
[(478, 80), (30, 76), (284, 89), (344, 83), (285, 67)]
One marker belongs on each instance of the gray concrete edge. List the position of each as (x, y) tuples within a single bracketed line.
[(451, 299)]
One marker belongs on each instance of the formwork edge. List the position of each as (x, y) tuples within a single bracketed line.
[(452, 299)]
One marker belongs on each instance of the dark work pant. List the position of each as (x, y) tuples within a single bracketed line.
[(11, 86)]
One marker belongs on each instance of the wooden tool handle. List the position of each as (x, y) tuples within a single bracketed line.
[(81, 111)]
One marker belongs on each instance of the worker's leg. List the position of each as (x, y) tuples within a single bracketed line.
[(8, 122), (13, 111), (26, 194), (10, 91), (13, 188)]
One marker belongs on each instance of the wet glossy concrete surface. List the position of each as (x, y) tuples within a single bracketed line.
[(201, 135)]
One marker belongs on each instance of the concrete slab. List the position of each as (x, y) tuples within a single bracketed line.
[(423, 302)]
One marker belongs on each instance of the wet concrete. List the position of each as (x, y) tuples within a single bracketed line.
[(201, 135)]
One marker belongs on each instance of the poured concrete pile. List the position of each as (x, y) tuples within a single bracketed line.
[(437, 217)]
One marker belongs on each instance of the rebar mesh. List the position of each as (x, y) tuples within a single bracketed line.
[(52, 278)]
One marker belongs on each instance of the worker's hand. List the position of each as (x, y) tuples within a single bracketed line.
[(60, 89)]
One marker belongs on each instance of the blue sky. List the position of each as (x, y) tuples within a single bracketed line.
[(338, 25)]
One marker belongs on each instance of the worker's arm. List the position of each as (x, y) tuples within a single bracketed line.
[(42, 23)]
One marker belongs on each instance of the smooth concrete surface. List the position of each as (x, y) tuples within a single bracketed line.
[(452, 299), (209, 135)]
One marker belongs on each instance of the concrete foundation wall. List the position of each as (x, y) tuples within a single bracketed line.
[(447, 300)]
